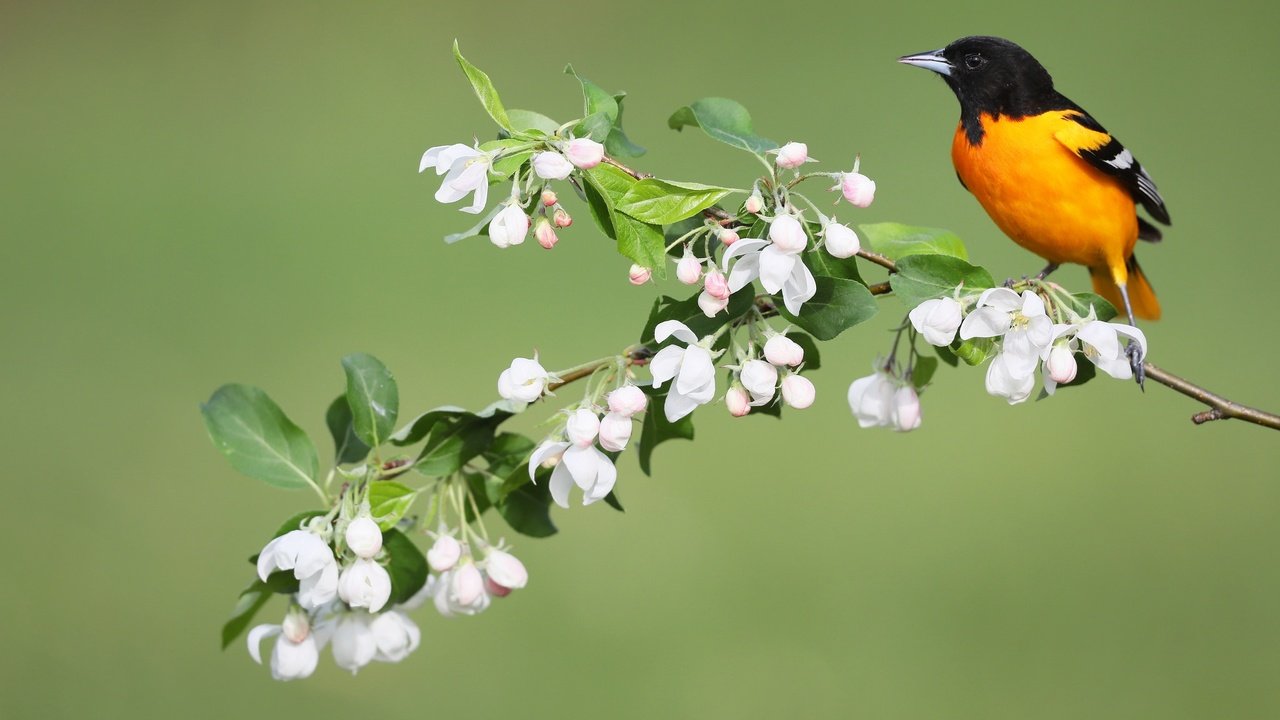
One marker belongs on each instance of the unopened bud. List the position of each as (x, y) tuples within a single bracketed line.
[(639, 275), (857, 188), (906, 407), (551, 165), (545, 234), (793, 155), (582, 427), (737, 401), (505, 570), (1061, 364), (549, 198), (787, 234), (797, 391), (363, 537), (444, 553), (711, 305), (782, 350), (688, 270), (584, 152), (562, 218), (467, 585), (728, 237), (296, 627), (755, 203), (840, 240), (716, 285), (627, 400), (495, 589), (615, 431)]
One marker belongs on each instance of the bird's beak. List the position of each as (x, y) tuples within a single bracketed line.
[(932, 60)]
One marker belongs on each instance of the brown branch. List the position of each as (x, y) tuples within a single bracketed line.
[(878, 259), (1220, 408)]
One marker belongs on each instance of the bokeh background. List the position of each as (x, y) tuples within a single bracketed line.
[(194, 194)]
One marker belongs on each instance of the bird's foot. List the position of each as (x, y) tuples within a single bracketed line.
[(1136, 359), (1047, 270)]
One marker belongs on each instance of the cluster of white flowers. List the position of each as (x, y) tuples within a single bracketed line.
[(1026, 337), (463, 586), (692, 367), (758, 382), (466, 171), (573, 451), (883, 399)]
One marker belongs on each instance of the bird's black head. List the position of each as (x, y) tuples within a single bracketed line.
[(993, 76)]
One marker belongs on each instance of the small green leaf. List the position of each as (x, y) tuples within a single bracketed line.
[(373, 397), (504, 167), (924, 277), (480, 228), (812, 358), (640, 241), (484, 90), (530, 120), (975, 351), (258, 439), (687, 311), (895, 240), (837, 305), (923, 371), (527, 509), (724, 120), (408, 568), (454, 442), (251, 600), (421, 426), (612, 501), (599, 207), (663, 202), (946, 355), (1081, 302), (656, 429), (389, 501), (618, 144), (599, 108), (821, 263), (347, 446)]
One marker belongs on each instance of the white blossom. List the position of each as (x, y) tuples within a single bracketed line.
[(467, 172), (1027, 331), (354, 645), (509, 227), (524, 381), (295, 654), (444, 553), (840, 240), (311, 560), (363, 537), (906, 408), (798, 391), (760, 379), (1100, 342), (365, 584), (584, 152), (615, 432), (582, 427), (551, 165), (628, 400), (871, 399), (776, 262), (1003, 383), (395, 636), (505, 569), (783, 351), (710, 305), (937, 320), (438, 587), (586, 467), (691, 367)]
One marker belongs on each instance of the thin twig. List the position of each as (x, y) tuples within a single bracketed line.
[(878, 259), (1220, 408)]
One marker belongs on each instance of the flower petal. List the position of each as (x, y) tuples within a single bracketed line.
[(799, 288), (256, 636), (541, 453), (561, 483), (985, 322), (667, 328), (742, 247), (582, 465), (775, 268), (478, 200), (696, 370), (608, 475), (666, 364), (677, 405), (1000, 298), (743, 272)]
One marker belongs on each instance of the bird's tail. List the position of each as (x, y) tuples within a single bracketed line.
[(1141, 294)]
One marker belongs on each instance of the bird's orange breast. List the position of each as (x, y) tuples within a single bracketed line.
[(1043, 195)]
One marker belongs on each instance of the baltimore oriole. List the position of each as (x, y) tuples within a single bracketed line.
[(1049, 175)]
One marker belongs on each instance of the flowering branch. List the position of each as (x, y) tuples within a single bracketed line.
[(1220, 408)]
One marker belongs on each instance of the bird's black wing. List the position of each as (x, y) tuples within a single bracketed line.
[(1114, 159)]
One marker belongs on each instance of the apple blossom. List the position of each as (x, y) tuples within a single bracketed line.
[(627, 400), (783, 351), (716, 285), (689, 269), (549, 198), (365, 584), (857, 188), (509, 227), (638, 274), (937, 320), (505, 570), (1001, 382), (582, 427), (1100, 342), (551, 165), (395, 636), (727, 237), (466, 585), (710, 305), (524, 381), (691, 366), (872, 399), (363, 537), (295, 654), (444, 553), (840, 240), (760, 379), (792, 155), (615, 431), (906, 408), (354, 645), (438, 587), (584, 152), (787, 234), (755, 202), (494, 589), (467, 172), (1026, 329), (778, 269), (1060, 365), (797, 391), (561, 218), (311, 561), (545, 234), (586, 467), (737, 400)]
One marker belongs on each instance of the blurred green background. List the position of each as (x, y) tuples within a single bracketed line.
[(200, 193)]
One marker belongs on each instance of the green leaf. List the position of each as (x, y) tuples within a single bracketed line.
[(975, 351), (599, 207), (640, 241), (612, 501), (252, 599), (347, 446), (527, 509), (687, 311), (454, 442), (724, 120), (664, 202), (812, 358), (530, 120), (258, 439), (837, 305), (821, 263), (924, 277), (895, 240), (484, 90), (618, 144), (675, 231), (599, 108), (373, 397), (656, 429), (480, 228), (923, 371), (389, 501), (946, 355), (503, 168), (421, 426), (508, 457), (408, 568), (1081, 302)]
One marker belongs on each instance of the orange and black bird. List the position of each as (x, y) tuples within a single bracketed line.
[(1049, 175)]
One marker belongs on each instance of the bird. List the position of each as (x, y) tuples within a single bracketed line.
[(1048, 174)]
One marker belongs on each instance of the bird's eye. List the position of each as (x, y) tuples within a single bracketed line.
[(975, 61)]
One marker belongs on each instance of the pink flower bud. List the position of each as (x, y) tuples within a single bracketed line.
[(787, 234), (615, 431), (296, 627), (545, 234), (728, 237), (549, 198), (688, 270), (444, 553), (627, 400), (793, 155), (467, 585), (495, 589), (782, 350), (857, 188), (584, 152), (906, 408), (505, 570), (716, 285), (363, 537), (754, 203), (561, 218), (582, 427), (737, 401), (710, 304), (639, 275), (840, 240), (797, 391), (1061, 364)]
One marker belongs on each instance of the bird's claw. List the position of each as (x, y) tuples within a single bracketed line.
[(1136, 359)]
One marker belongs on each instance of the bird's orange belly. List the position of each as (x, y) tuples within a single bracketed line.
[(1044, 196)]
